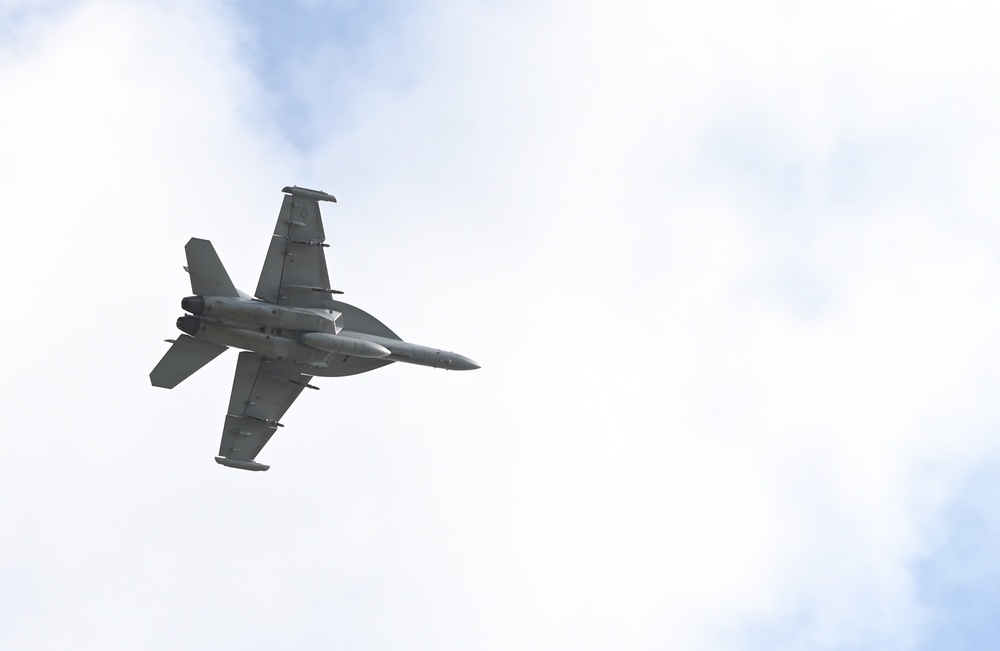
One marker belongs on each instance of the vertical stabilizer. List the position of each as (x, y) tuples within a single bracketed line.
[(208, 276)]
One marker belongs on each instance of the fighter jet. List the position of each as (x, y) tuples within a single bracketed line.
[(290, 330)]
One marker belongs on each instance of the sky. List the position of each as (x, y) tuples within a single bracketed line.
[(732, 272)]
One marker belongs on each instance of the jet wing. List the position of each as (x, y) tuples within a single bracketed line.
[(263, 390), (295, 272)]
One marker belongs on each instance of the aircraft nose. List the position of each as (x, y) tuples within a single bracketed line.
[(462, 363)]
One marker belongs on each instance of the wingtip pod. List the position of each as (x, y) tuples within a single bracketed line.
[(317, 195), (242, 465)]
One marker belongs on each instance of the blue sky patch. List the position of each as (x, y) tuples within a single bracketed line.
[(304, 52), (959, 582)]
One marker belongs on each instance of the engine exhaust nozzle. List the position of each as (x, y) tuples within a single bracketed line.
[(189, 324), (193, 304)]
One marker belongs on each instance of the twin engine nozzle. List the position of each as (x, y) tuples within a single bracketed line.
[(190, 324)]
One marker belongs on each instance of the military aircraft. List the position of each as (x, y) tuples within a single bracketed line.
[(291, 330)]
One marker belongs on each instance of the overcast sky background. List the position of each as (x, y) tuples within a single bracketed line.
[(732, 270)]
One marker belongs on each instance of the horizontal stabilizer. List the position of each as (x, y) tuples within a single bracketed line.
[(242, 465), (185, 356), (208, 275)]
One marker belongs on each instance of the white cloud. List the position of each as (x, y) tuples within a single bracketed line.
[(660, 282), (729, 270)]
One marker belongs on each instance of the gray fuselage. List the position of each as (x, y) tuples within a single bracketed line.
[(331, 342)]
